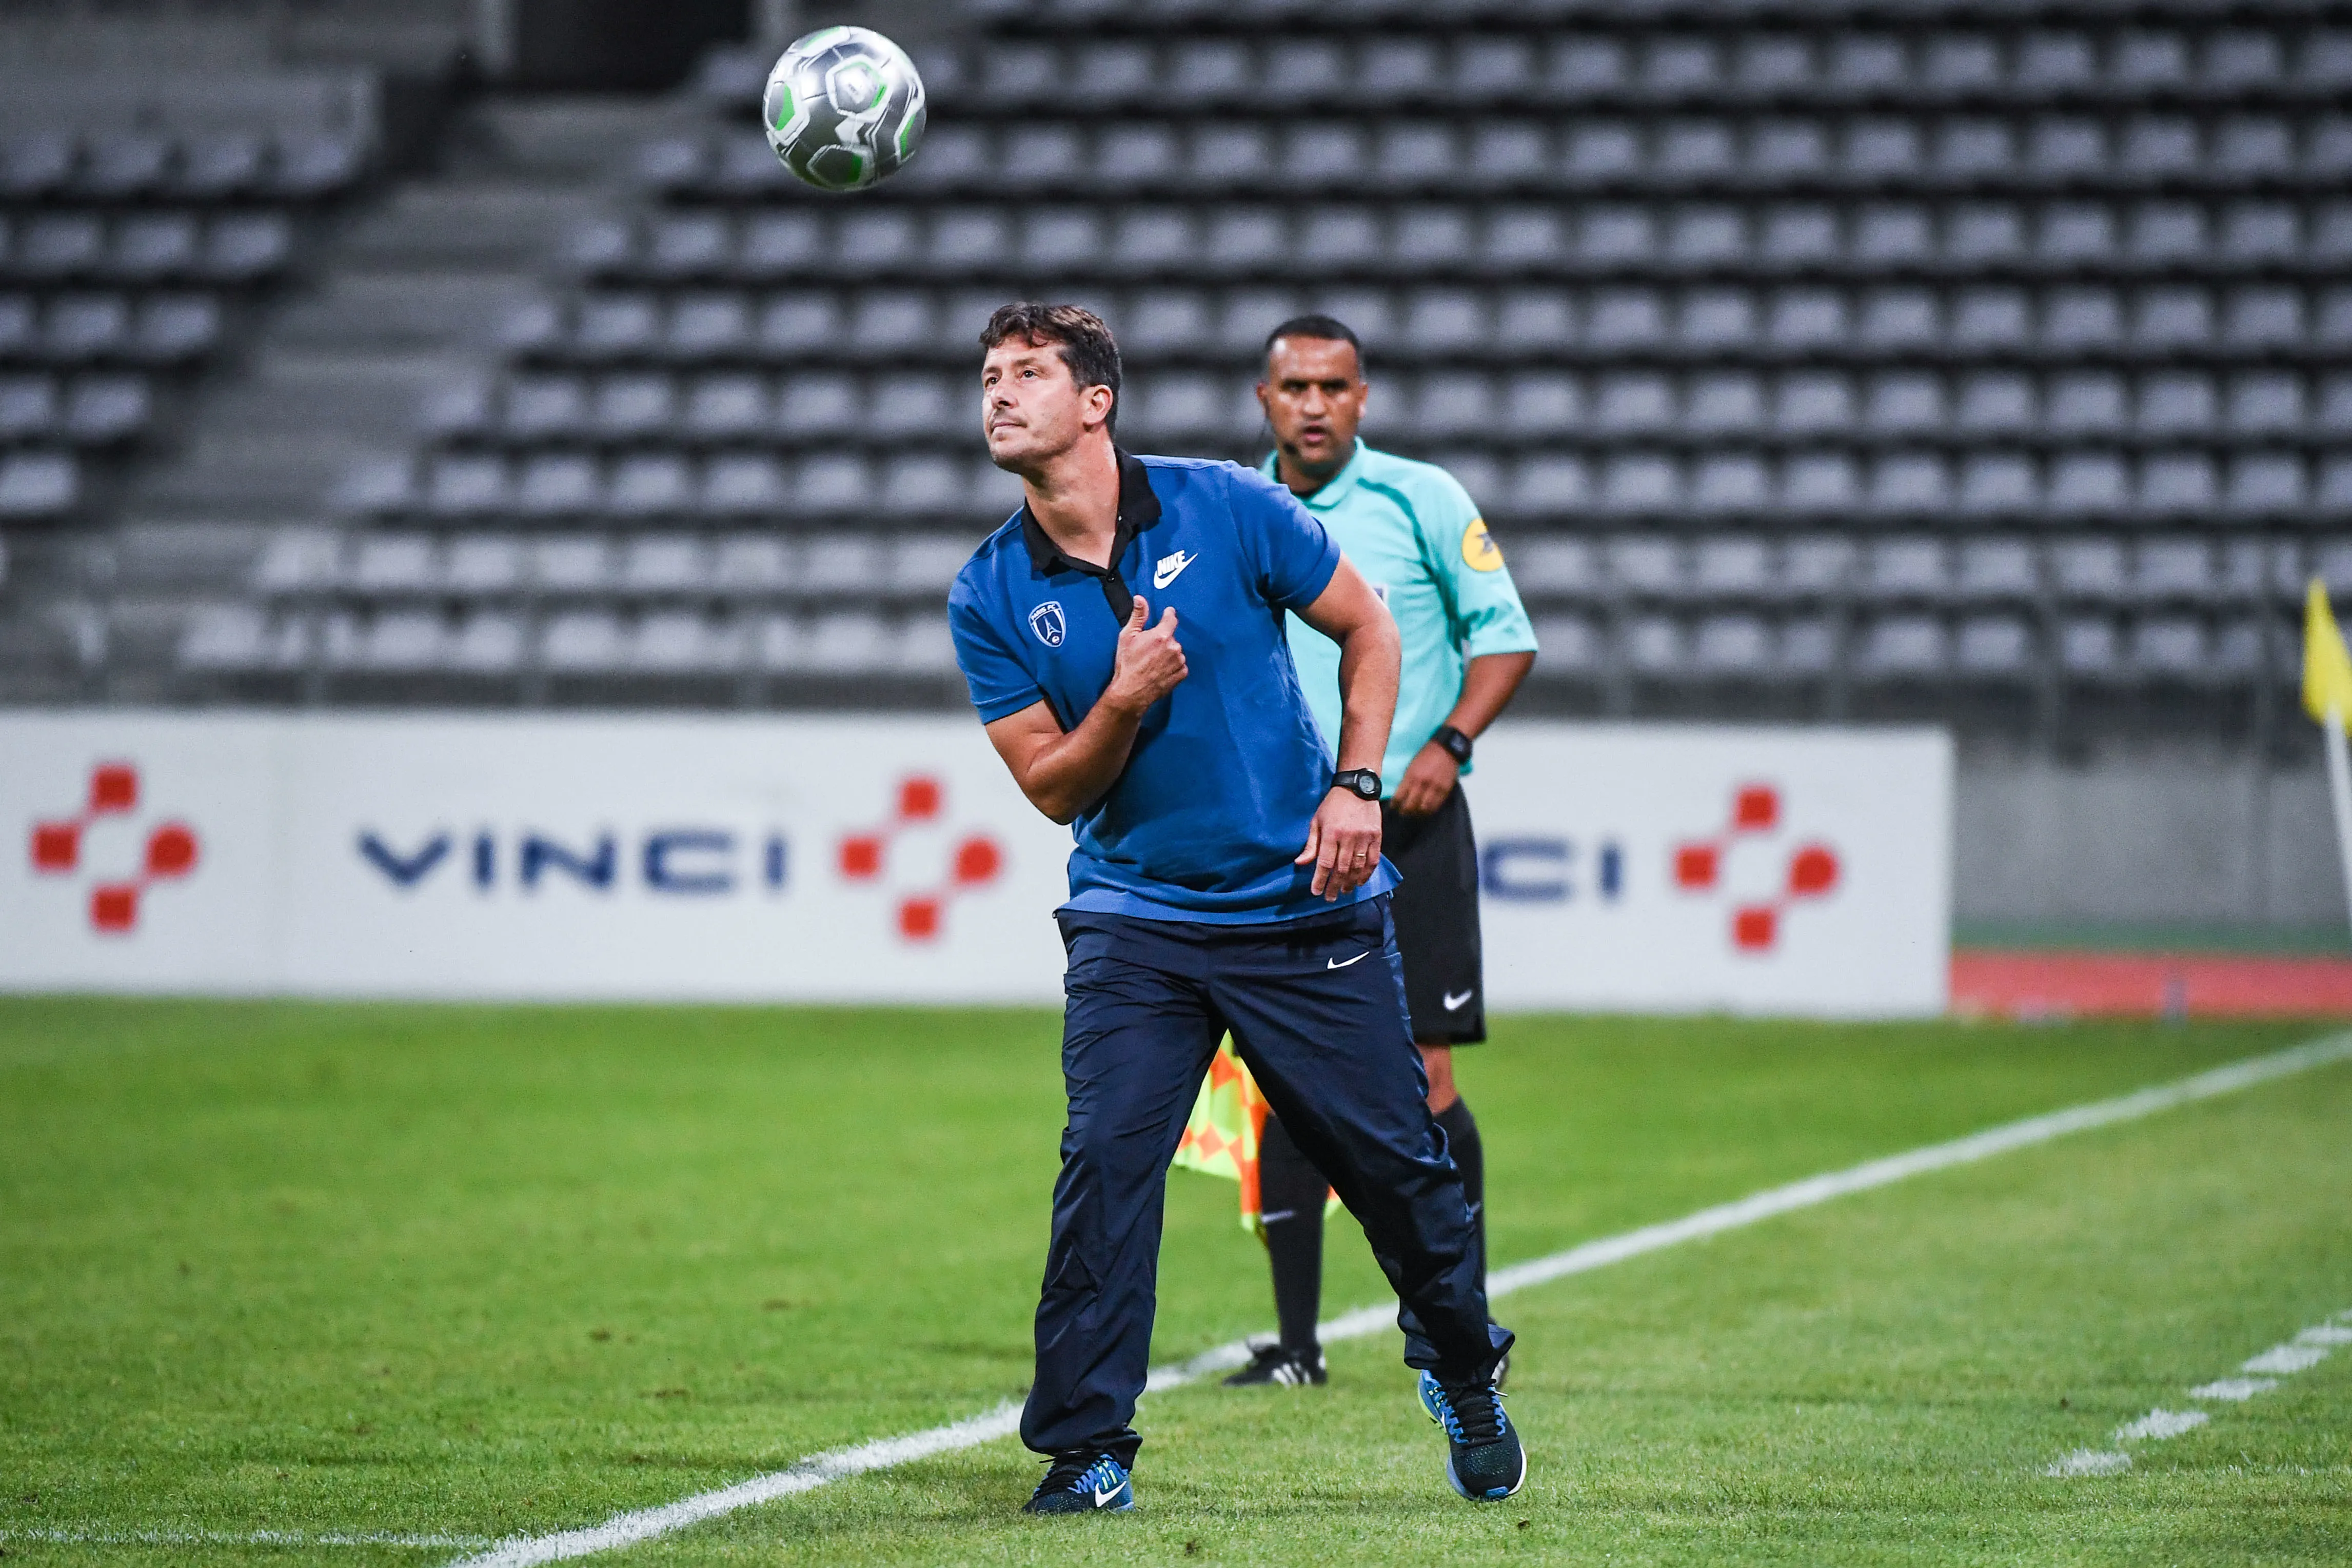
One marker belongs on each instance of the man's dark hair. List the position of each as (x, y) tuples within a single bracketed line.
[(1328, 329), (1086, 344)]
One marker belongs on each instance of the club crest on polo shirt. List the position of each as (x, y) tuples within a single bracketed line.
[(1047, 622)]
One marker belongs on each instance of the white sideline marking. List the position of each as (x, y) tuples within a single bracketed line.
[(645, 1524), (2159, 1425), (2307, 1349), (236, 1538)]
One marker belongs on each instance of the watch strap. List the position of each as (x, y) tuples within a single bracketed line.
[(1360, 782), (1455, 744)]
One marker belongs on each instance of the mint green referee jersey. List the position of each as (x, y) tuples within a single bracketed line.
[(1415, 533)]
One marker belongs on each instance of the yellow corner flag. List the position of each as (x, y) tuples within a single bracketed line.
[(2326, 666), (1222, 1138)]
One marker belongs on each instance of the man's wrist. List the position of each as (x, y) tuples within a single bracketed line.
[(1453, 743)]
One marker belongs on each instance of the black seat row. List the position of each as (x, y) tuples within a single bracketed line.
[(1460, 240), (144, 247), (95, 409), (2155, 322), (1396, 157), (120, 166), (92, 327), (1962, 408), (1664, 67)]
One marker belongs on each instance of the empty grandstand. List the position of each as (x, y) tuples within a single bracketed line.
[(1986, 362)]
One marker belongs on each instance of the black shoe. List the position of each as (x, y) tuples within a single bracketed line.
[(1280, 1363), (1484, 1460), (1083, 1481)]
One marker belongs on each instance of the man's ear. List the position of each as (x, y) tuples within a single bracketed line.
[(1099, 399)]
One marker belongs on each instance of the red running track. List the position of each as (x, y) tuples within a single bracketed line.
[(2033, 985)]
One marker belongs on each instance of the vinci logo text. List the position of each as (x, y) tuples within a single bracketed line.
[(689, 860), (1541, 870), (61, 845), (1811, 871), (974, 863)]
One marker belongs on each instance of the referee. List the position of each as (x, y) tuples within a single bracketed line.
[(1226, 878), (1412, 530)]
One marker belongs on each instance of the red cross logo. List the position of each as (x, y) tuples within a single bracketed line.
[(1812, 871), (169, 855), (974, 863)]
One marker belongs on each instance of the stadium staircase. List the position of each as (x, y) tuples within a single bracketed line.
[(1989, 362)]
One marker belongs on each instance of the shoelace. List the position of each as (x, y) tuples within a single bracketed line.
[(1070, 1470), (1474, 1414)]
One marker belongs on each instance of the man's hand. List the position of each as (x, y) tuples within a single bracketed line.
[(1148, 663), (1428, 780), (1344, 842)]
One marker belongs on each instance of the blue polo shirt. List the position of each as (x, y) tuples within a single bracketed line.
[(1229, 768)]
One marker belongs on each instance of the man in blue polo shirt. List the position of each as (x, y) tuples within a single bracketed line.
[(1226, 878)]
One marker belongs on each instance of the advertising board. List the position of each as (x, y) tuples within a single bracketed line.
[(892, 859)]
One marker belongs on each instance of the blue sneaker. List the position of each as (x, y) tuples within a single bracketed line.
[(1485, 1462), (1083, 1481)]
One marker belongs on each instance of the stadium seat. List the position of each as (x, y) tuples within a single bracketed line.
[(1731, 645), (238, 637), (1729, 483), (482, 564), (557, 484), (2160, 235), (1725, 402), (1996, 402), (1903, 647), (1993, 648), (1997, 569), (38, 484), (2090, 649), (1732, 566), (740, 483), (570, 564), (2085, 402), (1815, 567)]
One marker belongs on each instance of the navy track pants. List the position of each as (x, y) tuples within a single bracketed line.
[(1316, 1009)]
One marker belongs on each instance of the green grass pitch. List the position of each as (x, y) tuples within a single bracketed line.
[(479, 1271)]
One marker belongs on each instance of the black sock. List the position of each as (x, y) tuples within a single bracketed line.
[(1470, 1159), (1290, 1199)]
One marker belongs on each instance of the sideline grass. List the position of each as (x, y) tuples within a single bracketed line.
[(477, 1271)]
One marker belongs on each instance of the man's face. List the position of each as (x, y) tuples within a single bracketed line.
[(1314, 398), (1031, 410)]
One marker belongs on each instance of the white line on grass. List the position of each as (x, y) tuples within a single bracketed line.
[(645, 1524), (238, 1537), (2305, 1351)]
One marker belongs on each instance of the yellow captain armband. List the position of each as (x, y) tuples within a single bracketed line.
[(1479, 550)]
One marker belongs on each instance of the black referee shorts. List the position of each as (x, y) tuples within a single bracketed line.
[(1436, 914)]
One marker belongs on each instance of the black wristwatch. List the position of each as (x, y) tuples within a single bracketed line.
[(1456, 744), (1362, 782)]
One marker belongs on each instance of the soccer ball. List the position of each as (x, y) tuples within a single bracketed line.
[(843, 107)]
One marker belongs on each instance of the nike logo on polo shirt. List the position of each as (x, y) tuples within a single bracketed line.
[(1170, 568), (1336, 964), (1452, 1001)]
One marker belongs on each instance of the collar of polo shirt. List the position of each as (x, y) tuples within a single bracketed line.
[(1334, 489), (1139, 508)]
